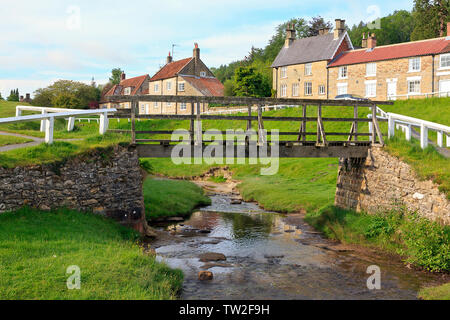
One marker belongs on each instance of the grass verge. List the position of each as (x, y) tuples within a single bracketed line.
[(9, 140), (168, 198), (435, 293), (36, 248)]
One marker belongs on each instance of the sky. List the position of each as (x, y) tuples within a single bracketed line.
[(47, 40)]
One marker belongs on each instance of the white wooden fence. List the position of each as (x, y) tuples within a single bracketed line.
[(406, 124), (48, 118)]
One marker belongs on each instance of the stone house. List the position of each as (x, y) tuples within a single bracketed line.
[(186, 77), (300, 69), (127, 87), (406, 70)]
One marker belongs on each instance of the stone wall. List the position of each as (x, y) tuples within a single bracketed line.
[(382, 182), (105, 181)]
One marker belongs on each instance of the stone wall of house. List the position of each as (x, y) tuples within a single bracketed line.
[(382, 182), (107, 182)]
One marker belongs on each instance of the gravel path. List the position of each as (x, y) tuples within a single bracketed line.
[(36, 141)]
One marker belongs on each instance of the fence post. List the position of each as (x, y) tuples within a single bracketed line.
[(440, 139), (448, 140), (423, 136), (103, 123), (43, 122), (71, 124), (49, 125), (18, 112), (408, 132), (355, 114), (133, 122), (260, 126), (391, 126)]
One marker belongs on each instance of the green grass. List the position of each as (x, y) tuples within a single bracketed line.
[(165, 198), (421, 242), (435, 293), (9, 140), (58, 151), (428, 163), (36, 248)]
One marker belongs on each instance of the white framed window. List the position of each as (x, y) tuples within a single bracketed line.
[(142, 109), (283, 72), (414, 86), (284, 90), (308, 88), (183, 106), (342, 88), (127, 91), (169, 104), (295, 87), (343, 74), (371, 69), (414, 64), (202, 74), (371, 89), (181, 86), (444, 61), (321, 89), (155, 105), (156, 87), (308, 69), (169, 86)]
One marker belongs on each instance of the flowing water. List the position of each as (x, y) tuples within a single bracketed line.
[(274, 256)]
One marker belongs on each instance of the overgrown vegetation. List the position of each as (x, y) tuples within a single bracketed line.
[(36, 248), (421, 242), (166, 198)]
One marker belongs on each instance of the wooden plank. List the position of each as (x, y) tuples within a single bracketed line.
[(261, 139), (281, 133), (244, 101), (165, 151), (355, 124)]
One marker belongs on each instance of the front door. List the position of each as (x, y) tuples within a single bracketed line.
[(444, 88), (391, 90)]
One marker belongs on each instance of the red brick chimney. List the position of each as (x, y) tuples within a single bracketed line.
[(123, 76), (371, 41), (169, 58), (196, 52)]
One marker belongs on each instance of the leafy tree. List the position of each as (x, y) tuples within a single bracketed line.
[(229, 88), (116, 75), (316, 24), (67, 94), (431, 17), (250, 83), (14, 95), (395, 28)]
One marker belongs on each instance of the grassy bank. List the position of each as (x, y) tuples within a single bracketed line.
[(436, 293), (36, 248), (168, 198), (8, 140), (421, 242)]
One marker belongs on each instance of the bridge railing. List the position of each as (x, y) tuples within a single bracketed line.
[(49, 117), (322, 137), (408, 123)]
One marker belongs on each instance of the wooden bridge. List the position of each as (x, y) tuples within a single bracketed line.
[(348, 145)]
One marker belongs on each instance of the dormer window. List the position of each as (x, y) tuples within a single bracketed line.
[(202, 74), (308, 69), (127, 91), (284, 72)]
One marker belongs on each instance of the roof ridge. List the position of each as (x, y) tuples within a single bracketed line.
[(404, 43)]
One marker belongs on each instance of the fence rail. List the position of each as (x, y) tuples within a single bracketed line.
[(408, 123), (48, 117)]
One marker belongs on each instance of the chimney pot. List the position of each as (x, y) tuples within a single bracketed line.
[(28, 96), (169, 58), (123, 76)]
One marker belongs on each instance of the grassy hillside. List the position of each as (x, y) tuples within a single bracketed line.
[(36, 248)]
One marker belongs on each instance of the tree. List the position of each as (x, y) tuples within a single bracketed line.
[(67, 94), (116, 76), (229, 88), (250, 83), (431, 17), (1, 98), (316, 24), (14, 95)]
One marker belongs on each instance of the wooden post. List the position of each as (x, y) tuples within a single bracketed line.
[(191, 128), (249, 125), (49, 125), (260, 126), (302, 132), (374, 119), (133, 122), (199, 125), (319, 119), (355, 114)]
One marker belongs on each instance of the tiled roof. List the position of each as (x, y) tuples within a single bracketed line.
[(395, 51), (170, 69), (311, 49), (134, 83), (207, 86)]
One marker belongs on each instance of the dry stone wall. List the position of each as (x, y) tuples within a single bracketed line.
[(382, 182), (107, 182)]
